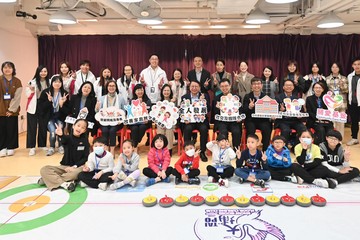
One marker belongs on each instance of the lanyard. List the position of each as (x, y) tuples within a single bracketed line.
[(221, 154), (253, 159), (107, 100), (82, 78), (153, 79), (56, 101), (162, 156), (6, 86), (97, 163), (319, 102), (81, 104)]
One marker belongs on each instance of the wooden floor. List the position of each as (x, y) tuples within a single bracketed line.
[(21, 164)]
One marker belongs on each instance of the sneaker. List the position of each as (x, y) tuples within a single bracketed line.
[(44, 149), (50, 152), (194, 180), (150, 181), (117, 185), (292, 179), (241, 180), (32, 152), (178, 180), (61, 150), (321, 183), (41, 182), (260, 182), (82, 184), (332, 183), (210, 179), (299, 180), (167, 180), (357, 179), (71, 187), (10, 152), (3, 153), (352, 142), (102, 186), (203, 157), (226, 182)]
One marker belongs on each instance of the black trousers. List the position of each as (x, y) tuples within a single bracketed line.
[(109, 132), (204, 133), (320, 131), (87, 178), (192, 173), (233, 127), (138, 132), (228, 172), (36, 124), (309, 175), (279, 174), (263, 126), (355, 118), (151, 174), (287, 125), (9, 132), (341, 178)]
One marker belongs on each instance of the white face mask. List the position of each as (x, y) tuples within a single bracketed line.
[(306, 140), (190, 152), (99, 150)]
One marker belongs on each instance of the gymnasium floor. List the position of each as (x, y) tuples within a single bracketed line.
[(28, 211)]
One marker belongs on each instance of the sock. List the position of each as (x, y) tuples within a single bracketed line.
[(133, 183), (128, 180)]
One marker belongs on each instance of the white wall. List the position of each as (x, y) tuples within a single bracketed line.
[(20, 47)]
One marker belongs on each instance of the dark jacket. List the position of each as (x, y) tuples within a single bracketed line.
[(205, 74)]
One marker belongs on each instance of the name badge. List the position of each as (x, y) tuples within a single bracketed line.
[(219, 169), (152, 90), (186, 170), (7, 96), (81, 148)]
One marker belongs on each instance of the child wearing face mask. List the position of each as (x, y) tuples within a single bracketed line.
[(127, 169), (159, 161), (222, 154), (187, 167), (98, 169), (309, 166)]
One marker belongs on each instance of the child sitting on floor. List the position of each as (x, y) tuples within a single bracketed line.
[(159, 161), (222, 154), (98, 169), (187, 167), (251, 163), (279, 160), (337, 159), (126, 170)]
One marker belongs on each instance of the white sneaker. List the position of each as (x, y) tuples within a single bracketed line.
[(210, 179), (32, 152), (226, 182), (10, 152), (50, 151), (102, 186), (61, 150), (352, 142), (3, 153), (82, 184), (44, 149), (321, 183), (299, 180)]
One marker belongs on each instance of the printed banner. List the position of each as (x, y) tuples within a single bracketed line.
[(110, 116), (332, 102), (164, 114), (229, 109), (293, 108), (266, 107), (82, 115), (193, 113), (136, 112)]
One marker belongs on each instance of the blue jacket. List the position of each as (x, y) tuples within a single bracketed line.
[(275, 162)]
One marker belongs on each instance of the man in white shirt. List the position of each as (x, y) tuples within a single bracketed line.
[(83, 75), (153, 78)]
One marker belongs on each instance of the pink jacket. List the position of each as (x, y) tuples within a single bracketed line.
[(158, 159)]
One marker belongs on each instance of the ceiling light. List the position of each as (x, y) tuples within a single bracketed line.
[(7, 1), (158, 27), (251, 26), (128, 1), (218, 26), (190, 27), (257, 17), (62, 17), (150, 21), (280, 1), (330, 21)]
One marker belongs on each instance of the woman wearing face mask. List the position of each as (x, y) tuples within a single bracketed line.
[(127, 82), (242, 80), (308, 167), (111, 99), (100, 83), (218, 75), (36, 124), (270, 82), (314, 102), (338, 85), (84, 102)]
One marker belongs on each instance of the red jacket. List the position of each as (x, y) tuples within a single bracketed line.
[(158, 158), (186, 162)]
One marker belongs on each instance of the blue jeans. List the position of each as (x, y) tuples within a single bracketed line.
[(259, 173), (51, 127)]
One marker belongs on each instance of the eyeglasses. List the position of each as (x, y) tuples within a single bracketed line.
[(333, 139), (278, 142)]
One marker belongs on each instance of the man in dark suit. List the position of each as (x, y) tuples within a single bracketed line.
[(202, 127), (200, 74)]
